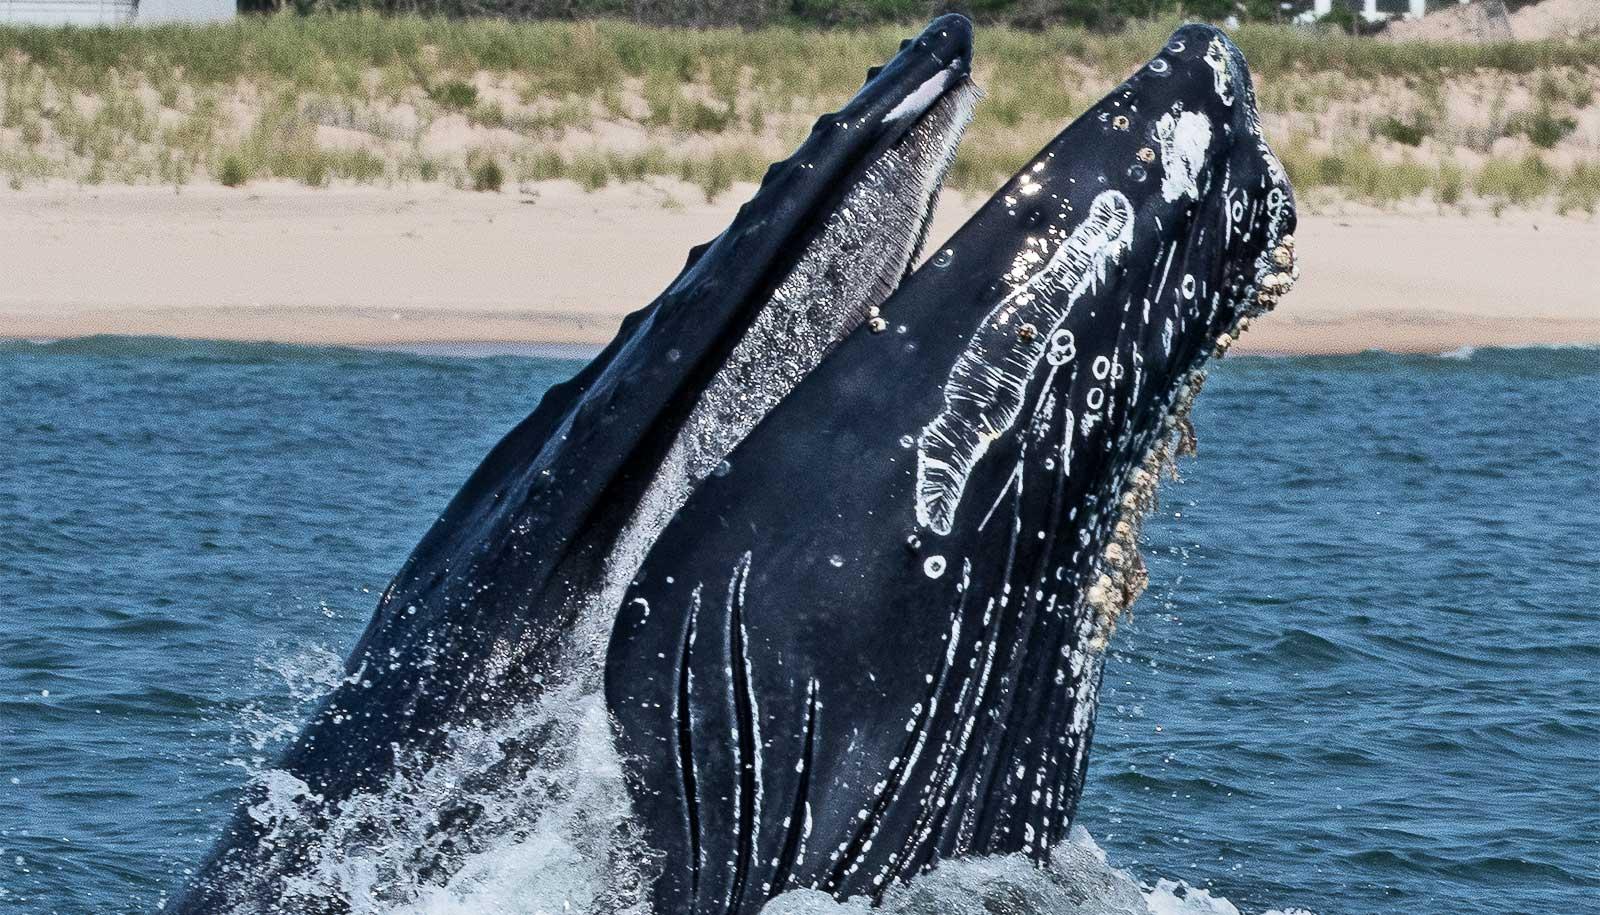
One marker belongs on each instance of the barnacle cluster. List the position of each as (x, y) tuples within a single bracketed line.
[(1123, 575), (1277, 270)]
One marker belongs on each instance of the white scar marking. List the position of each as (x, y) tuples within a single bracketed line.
[(1184, 137), (1274, 166), (1217, 59), (984, 393)]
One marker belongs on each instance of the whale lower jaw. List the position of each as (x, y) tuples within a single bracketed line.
[(866, 247)]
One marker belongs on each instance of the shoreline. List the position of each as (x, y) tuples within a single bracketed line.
[(554, 266)]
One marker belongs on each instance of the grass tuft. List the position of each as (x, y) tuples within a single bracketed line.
[(233, 172), (1516, 181), (1409, 133), (455, 94), (486, 172), (1542, 127)]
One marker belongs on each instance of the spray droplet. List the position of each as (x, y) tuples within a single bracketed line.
[(1137, 172), (943, 258), (722, 469), (836, 561), (673, 355), (906, 441), (933, 566)]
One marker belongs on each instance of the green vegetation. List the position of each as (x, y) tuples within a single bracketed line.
[(1581, 189), (1031, 14), (455, 94), (1516, 182), (479, 102), (1409, 133), (335, 53), (232, 172), (487, 175), (1542, 127)]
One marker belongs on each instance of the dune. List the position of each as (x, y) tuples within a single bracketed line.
[(554, 266)]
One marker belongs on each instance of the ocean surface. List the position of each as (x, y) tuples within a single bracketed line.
[(1363, 680)]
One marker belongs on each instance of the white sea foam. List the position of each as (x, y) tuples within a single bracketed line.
[(555, 836), (558, 839), (1079, 880)]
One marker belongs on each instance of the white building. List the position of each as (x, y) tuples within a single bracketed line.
[(113, 12), (1373, 10)]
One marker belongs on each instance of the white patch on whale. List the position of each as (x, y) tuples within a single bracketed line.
[(1184, 137), (984, 393), (1217, 60), (923, 96)]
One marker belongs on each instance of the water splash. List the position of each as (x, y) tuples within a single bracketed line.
[(558, 838), (1079, 880), (472, 831), (295, 679)]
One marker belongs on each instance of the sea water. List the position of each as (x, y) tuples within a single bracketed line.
[(1362, 680)]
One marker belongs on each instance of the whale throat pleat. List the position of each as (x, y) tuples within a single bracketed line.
[(748, 730), (680, 713), (798, 824)]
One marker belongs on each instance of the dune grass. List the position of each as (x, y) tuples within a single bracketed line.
[(367, 98), (328, 52)]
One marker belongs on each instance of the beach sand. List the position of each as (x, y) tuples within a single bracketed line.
[(553, 265)]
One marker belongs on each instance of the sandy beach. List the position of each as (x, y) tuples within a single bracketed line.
[(554, 265)]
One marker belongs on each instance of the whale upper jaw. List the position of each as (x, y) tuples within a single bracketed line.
[(1138, 245)]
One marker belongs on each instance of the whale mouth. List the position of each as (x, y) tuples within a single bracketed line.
[(868, 239), (866, 246)]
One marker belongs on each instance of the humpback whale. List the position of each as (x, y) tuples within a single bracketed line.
[(831, 546)]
